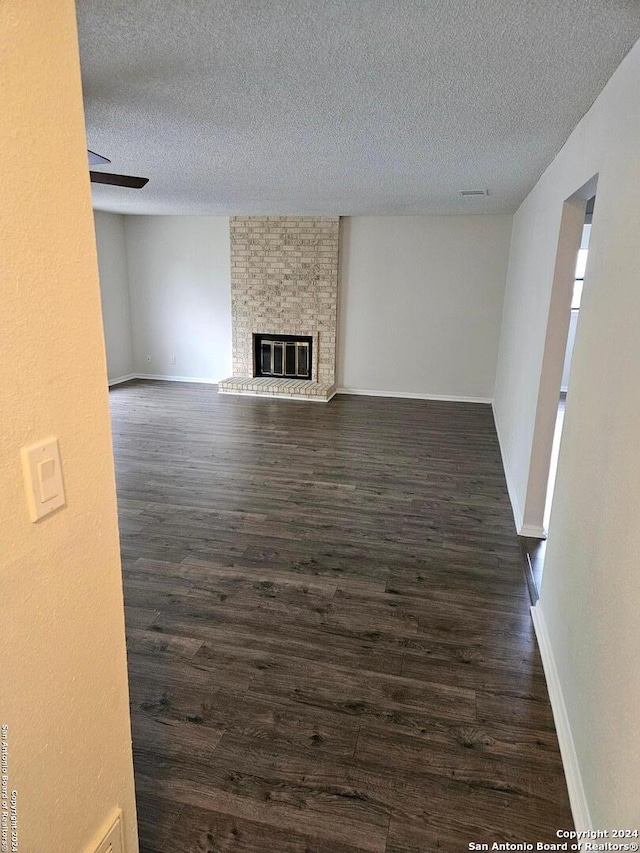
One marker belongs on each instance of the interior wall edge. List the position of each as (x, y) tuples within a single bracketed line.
[(555, 345), (115, 291), (511, 489)]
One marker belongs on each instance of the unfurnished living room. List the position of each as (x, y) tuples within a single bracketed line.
[(320, 416)]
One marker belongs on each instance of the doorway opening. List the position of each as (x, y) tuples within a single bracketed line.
[(555, 381), (578, 285)]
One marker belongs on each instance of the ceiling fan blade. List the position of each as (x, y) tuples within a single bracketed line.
[(118, 180), (97, 159)]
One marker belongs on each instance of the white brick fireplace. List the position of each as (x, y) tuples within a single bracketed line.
[(284, 285)]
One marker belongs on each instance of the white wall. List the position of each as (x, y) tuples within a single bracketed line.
[(421, 303), (180, 293), (590, 597), (428, 290), (114, 293), (64, 690)]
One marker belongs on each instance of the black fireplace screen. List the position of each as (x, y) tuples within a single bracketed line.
[(287, 356)]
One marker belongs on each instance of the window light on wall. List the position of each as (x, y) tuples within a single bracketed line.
[(581, 266)]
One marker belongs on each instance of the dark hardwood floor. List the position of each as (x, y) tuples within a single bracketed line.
[(329, 638)]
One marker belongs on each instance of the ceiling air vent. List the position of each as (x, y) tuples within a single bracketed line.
[(474, 192)]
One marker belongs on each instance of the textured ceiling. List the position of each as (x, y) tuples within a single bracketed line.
[(340, 106)]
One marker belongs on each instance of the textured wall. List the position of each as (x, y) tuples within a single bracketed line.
[(284, 280), (62, 652)]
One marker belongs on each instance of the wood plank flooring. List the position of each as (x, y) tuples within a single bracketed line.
[(329, 639)]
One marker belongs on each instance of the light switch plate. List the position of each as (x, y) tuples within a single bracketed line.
[(43, 478)]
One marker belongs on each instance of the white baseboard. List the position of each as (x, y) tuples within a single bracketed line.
[(120, 379), (167, 378), (534, 531), (577, 798), (409, 395)]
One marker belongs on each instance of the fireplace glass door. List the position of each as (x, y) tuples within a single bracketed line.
[(289, 359)]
